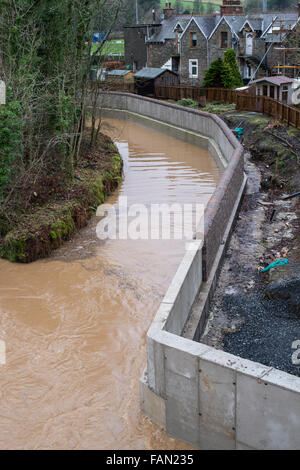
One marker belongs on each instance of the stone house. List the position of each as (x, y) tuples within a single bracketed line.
[(136, 51), (188, 44), (258, 41), (284, 54)]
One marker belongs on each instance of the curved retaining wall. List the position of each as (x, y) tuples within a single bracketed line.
[(215, 133), (206, 397)]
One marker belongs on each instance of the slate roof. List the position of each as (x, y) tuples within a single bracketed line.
[(207, 23), (118, 73), (287, 21), (167, 28), (236, 22), (262, 21), (149, 72), (279, 80), (256, 23)]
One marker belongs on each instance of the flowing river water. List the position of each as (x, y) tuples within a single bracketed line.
[(75, 324)]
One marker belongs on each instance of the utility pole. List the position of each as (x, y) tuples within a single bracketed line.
[(136, 12), (265, 5), (267, 52)]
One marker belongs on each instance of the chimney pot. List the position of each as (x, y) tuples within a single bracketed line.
[(230, 7), (168, 11)]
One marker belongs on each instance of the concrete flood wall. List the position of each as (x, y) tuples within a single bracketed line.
[(206, 397), (216, 137), (209, 398)]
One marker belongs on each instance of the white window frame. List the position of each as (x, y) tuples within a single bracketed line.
[(193, 38), (178, 43), (193, 63), (247, 71)]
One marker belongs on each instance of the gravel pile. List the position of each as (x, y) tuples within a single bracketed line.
[(266, 336)]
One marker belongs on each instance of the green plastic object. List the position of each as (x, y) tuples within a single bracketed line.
[(239, 131), (278, 262)]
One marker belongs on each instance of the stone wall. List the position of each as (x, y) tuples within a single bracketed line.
[(205, 52), (135, 45), (259, 48), (135, 48), (215, 49), (160, 52)]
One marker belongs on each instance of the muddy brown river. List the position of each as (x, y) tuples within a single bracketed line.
[(75, 324)]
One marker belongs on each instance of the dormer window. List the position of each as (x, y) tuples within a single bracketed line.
[(193, 39)]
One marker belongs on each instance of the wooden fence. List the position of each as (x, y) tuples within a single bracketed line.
[(179, 92), (243, 101), (128, 87), (225, 95), (265, 105)]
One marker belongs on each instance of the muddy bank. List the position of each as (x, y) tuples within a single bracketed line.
[(57, 210), (242, 320), (274, 146)]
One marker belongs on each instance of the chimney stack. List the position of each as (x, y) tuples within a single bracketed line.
[(265, 6), (168, 11), (231, 7)]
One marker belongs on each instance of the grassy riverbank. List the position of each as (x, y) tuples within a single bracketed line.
[(57, 210)]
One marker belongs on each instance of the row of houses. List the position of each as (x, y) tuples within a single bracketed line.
[(188, 44), (144, 82)]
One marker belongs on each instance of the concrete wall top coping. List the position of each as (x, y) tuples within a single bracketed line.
[(156, 331), (260, 372), (245, 404), (283, 380), (235, 157), (230, 136), (204, 352), (182, 271), (167, 304)]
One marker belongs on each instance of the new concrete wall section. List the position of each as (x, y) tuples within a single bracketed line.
[(215, 400), (209, 398)]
